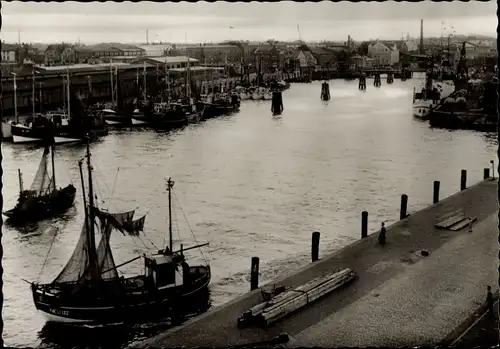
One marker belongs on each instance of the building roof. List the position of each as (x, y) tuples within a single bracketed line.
[(78, 68), (58, 48), (196, 69), (102, 47), (9, 47), (170, 59), (266, 49)]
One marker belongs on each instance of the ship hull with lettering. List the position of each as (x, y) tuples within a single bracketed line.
[(89, 288), (141, 299)]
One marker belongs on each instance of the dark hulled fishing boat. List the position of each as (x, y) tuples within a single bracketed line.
[(168, 116), (43, 199), (89, 290), (79, 122)]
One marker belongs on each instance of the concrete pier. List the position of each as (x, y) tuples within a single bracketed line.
[(401, 297)]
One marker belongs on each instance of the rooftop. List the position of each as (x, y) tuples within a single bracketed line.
[(170, 59), (88, 67)]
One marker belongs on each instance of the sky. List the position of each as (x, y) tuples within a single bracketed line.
[(212, 22)]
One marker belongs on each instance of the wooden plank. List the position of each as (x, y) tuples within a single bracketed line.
[(450, 221), (462, 224), (444, 216)]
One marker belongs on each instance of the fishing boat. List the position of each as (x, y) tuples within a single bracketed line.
[(70, 126), (430, 96), (89, 289), (113, 112), (43, 199)]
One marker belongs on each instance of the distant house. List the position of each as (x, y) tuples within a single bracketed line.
[(59, 54), (269, 57), (9, 53), (477, 50), (305, 57), (383, 53), (129, 50), (215, 54), (359, 62), (156, 50), (105, 52), (407, 46), (325, 57)]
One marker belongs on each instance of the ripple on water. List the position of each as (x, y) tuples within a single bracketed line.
[(249, 184)]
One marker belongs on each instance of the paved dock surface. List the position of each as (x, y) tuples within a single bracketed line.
[(400, 297)]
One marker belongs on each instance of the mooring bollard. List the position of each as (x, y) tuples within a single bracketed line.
[(364, 224), (486, 173), (376, 81), (435, 194), (463, 179), (315, 246), (404, 206), (254, 274)]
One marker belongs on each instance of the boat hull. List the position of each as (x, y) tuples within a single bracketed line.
[(124, 307), (423, 110), (38, 208), (60, 135)]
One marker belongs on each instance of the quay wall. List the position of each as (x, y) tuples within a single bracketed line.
[(381, 271)]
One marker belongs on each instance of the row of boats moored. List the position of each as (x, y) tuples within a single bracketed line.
[(80, 117), (466, 99)]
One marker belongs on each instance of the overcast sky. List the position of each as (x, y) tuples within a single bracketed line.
[(205, 22)]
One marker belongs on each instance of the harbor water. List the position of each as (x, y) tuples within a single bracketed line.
[(250, 184)]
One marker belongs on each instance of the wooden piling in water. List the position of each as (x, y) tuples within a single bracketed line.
[(277, 103), (404, 206), (254, 274), (364, 224), (435, 193), (390, 78), (486, 173), (376, 81), (463, 179), (362, 82), (315, 246), (325, 91)]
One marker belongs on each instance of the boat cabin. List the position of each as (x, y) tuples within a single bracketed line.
[(166, 270)]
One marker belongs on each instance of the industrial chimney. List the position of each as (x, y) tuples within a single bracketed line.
[(421, 36)]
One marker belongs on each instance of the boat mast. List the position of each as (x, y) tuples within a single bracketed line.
[(21, 189), (144, 82), (188, 82), (167, 81), (33, 94), (53, 166), (16, 118), (85, 208), (116, 85), (170, 184), (40, 96), (112, 82), (68, 93), (91, 234)]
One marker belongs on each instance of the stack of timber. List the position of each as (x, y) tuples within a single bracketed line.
[(454, 221), (287, 302)]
